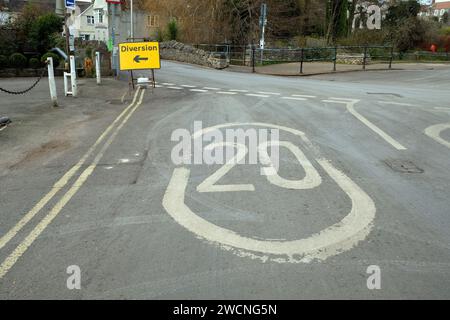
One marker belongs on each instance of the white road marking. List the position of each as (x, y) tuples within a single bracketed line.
[(188, 86), (175, 88), (209, 185), (198, 90), (344, 99), (238, 90), (441, 108), (397, 103), (9, 262), (270, 93), (158, 86), (350, 103), (210, 88), (168, 84), (434, 132), (227, 92), (61, 183), (303, 96), (257, 95), (333, 240), (292, 98), (124, 160)]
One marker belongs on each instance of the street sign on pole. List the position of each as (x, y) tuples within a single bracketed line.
[(70, 4), (139, 56)]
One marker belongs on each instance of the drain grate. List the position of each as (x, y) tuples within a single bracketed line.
[(403, 166)]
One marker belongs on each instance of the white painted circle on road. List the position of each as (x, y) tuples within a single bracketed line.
[(340, 237)]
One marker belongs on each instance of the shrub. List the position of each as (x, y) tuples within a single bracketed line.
[(55, 58), (3, 62), (17, 60), (34, 63), (172, 29)]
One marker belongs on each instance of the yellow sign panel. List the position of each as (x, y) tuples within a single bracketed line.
[(139, 56)]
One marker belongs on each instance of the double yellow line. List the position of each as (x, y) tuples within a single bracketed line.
[(115, 127)]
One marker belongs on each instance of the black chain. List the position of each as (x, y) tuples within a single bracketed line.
[(29, 89)]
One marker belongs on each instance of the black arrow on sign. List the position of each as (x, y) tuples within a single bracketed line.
[(138, 59)]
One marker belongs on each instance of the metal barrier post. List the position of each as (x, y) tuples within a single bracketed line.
[(97, 67), (253, 58), (73, 76), (302, 57), (391, 58), (335, 58), (51, 82), (365, 58)]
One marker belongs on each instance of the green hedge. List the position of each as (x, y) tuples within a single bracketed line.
[(3, 62), (34, 63), (18, 61), (54, 56)]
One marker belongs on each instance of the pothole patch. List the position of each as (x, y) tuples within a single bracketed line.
[(403, 166)]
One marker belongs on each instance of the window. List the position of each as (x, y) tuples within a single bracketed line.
[(153, 21), (99, 16), (90, 20)]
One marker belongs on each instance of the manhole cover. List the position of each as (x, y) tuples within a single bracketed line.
[(403, 166)]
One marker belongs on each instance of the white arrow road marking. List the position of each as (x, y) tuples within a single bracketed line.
[(333, 240), (434, 132), (351, 108)]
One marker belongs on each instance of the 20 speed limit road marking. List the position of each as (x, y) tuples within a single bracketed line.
[(340, 237)]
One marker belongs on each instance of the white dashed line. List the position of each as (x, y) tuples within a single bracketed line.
[(303, 96), (168, 84), (188, 86), (270, 93), (238, 90), (292, 98), (227, 92), (257, 95), (397, 103), (175, 88), (198, 90), (210, 88)]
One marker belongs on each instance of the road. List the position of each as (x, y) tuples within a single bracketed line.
[(369, 151)]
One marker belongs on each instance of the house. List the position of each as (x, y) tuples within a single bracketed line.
[(441, 7), (81, 22), (89, 21)]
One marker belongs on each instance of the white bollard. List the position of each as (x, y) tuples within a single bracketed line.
[(97, 67), (51, 82), (73, 75)]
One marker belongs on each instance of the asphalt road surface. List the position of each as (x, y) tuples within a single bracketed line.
[(364, 180)]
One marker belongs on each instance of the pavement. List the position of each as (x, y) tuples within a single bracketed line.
[(363, 185)]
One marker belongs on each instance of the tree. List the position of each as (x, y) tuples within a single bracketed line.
[(42, 31)]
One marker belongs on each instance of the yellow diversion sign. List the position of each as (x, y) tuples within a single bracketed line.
[(139, 56)]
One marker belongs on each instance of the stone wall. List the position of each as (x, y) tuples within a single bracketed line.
[(353, 59), (173, 50)]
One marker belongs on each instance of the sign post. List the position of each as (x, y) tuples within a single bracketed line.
[(139, 56)]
